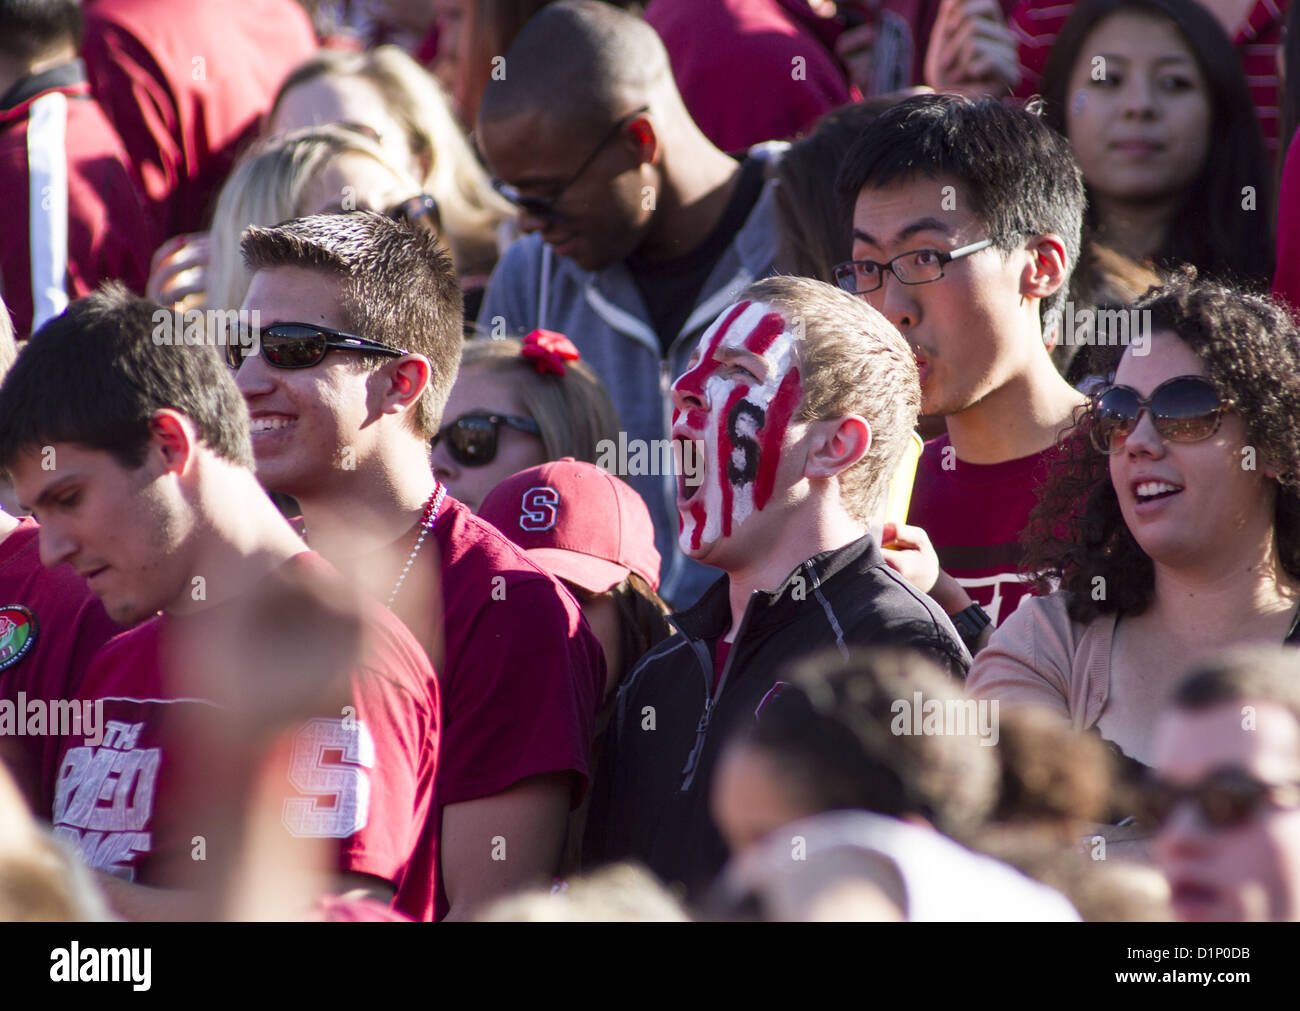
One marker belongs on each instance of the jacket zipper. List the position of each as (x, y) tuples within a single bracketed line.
[(710, 697)]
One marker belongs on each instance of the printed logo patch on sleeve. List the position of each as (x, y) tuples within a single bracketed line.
[(17, 634)]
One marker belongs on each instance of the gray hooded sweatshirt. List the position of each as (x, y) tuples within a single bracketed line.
[(603, 313)]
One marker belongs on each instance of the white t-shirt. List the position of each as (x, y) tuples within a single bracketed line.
[(941, 880)]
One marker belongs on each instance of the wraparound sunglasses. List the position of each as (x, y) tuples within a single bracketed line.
[(297, 345)]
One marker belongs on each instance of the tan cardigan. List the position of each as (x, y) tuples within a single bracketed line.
[(1038, 656)]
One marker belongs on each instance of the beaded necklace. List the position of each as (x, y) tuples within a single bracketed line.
[(427, 521)]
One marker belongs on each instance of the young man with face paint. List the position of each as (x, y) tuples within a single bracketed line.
[(966, 227), (802, 400)]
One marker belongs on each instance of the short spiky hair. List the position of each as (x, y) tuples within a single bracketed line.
[(1019, 175), (98, 373), (396, 287), (851, 361)]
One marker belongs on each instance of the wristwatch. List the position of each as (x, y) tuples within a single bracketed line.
[(969, 623)]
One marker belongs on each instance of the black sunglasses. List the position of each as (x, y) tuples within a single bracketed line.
[(472, 438), (1226, 798), (545, 207), (1183, 409), (296, 345)]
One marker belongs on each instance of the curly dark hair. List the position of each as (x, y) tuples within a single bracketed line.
[(1250, 349)]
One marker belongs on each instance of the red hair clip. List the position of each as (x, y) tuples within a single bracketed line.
[(549, 351)]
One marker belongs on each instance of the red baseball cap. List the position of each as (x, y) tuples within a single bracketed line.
[(577, 521)]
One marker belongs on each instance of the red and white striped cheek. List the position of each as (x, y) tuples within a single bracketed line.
[(747, 428)]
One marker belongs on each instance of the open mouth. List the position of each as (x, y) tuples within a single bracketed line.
[(690, 468), (1189, 897), (1151, 491), (269, 423)]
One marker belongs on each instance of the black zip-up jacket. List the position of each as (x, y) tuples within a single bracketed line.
[(651, 799)]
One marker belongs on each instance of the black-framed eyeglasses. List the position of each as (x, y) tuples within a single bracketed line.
[(1182, 409), (917, 266), (472, 438), (1226, 798), (545, 208), (296, 345)]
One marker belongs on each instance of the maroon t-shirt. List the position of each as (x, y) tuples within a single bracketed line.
[(51, 625), (974, 514), (364, 778), (524, 674)]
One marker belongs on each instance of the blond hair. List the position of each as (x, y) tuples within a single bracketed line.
[(620, 893), (573, 411), (268, 186), (471, 210), (851, 361)]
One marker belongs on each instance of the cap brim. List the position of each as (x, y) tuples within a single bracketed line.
[(592, 574)]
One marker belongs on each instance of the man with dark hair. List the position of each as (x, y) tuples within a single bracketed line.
[(641, 229), (50, 627), (966, 226), (803, 400), (347, 435), (1225, 795), (74, 217), (137, 465)]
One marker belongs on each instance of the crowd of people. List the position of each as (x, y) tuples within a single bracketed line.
[(701, 459)]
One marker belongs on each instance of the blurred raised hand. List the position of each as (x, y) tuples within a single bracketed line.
[(972, 51)]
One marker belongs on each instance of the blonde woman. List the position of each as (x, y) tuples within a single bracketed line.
[(317, 170), (385, 91)]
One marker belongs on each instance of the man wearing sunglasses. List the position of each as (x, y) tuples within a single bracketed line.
[(359, 348), (1224, 796), (966, 226), (640, 229)]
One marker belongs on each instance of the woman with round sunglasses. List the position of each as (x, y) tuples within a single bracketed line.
[(1169, 526), (518, 404)]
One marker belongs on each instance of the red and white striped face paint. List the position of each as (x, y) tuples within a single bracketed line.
[(737, 398)]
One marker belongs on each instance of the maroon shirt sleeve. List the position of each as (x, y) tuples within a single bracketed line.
[(387, 761), (525, 694)]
